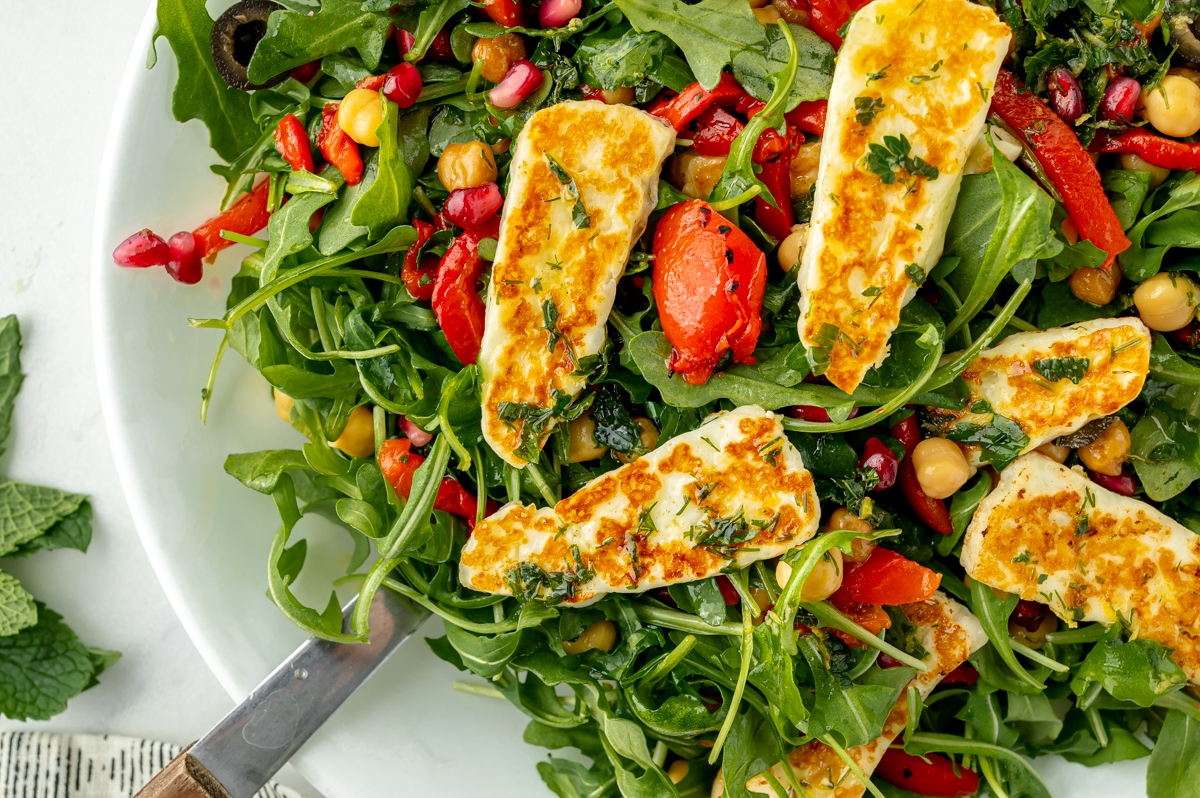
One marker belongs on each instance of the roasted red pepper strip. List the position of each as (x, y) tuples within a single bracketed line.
[(456, 303), (826, 17), (776, 176), (681, 109), (809, 117), (399, 465), (931, 511), (937, 777), (338, 148), (714, 131), (247, 216), (1154, 149), (770, 143), (869, 616), (419, 277), (291, 139), (888, 578), (1067, 164)]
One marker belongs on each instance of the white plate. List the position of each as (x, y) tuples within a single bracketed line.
[(407, 732)]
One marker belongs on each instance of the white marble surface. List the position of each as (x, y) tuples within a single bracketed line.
[(62, 62)]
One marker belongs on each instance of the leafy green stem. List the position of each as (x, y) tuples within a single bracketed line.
[(829, 616)]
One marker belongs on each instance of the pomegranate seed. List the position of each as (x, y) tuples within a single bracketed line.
[(1189, 336), (440, 48), (1029, 615), (470, 207), (405, 41), (557, 13), (418, 436), (888, 661), (1119, 100), (185, 265), (402, 85), (142, 250), (878, 456), (306, 72), (963, 673), (728, 591), (1066, 98), (1125, 484), (814, 413), (522, 80)]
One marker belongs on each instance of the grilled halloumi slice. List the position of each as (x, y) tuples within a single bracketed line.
[(727, 494), (554, 280), (1051, 535), (924, 70), (944, 628), (1054, 382)]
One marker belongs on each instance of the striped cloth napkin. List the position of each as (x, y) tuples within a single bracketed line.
[(42, 765)]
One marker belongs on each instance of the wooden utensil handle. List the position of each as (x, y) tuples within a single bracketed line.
[(183, 777)]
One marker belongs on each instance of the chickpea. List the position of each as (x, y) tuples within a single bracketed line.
[(1173, 106), (783, 572), (678, 771), (1134, 163), (283, 405), (763, 600), (843, 519), (360, 115), (601, 636), (1108, 453), (767, 15), (583, 440), (792, 248), (496, 56), (1097, 286), (1037, 638), (649, 439), (358, 438), (500, 147), (1184, 72), (1058, 454), (794, 14), (466, 165), (694, 174), (825, 579), (803, 171), (621, 96), (1167, 301), (941, 467)]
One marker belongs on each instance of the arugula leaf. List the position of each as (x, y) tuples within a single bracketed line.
[(1167, 366), (749, 750), (1063, 368), (41, 668), (895, 154), (260, 471), (17, 607), (1139, 670), (1166, 451), (1140, 261), (29, 511), (433, 18), (1126, 190), (621, 57), (200, 91), (614, 427), (854, 712), (993, 616), (294, 38), (384, 203), (1174, 768), (10, 373), (754, 68)]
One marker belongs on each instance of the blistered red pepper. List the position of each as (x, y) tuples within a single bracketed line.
[(338, 148), (826, 17), (1154, 149), (399, 464), (932, 511), (887, 578), (419, 277), (709, 280), (247, 216), (809, 117), (291, 139), (776, 176), (938, 777), (456, 303), (681, 109), (870, 617), (715, 130), (1065, 161)]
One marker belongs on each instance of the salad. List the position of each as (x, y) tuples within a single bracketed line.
[(795, 398)]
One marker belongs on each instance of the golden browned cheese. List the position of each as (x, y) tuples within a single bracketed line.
[(613, 154), (729, 493), (1051, 535), (945, 629), (1117, 355), (932, 64)]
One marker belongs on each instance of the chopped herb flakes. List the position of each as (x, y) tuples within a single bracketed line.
[(867, 108), (579, 214), (1063, 368), (896, 154)]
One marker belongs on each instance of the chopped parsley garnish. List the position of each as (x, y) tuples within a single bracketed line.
[(1082, 521), (1001, 439), (915, 273), (880, 75), (579, 214), (919, 79), (1063, 368), (537, 419), (550, 321), (529, 581), (823, 344), (867, 108), (723, 536), (1022, 557), (896, 153)]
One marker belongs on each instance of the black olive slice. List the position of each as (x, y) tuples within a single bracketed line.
[(1183, 35), (235, 36), (1087, 433)]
